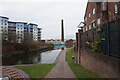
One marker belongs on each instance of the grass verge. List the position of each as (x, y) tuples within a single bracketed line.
[(78, 70), (37, 71)]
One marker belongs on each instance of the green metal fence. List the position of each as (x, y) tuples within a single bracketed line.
[(104, 39)]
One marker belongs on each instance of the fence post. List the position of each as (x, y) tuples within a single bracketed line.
[(79, 46), (76, 47)]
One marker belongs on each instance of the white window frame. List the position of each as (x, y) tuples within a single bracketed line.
[(103, 6), (89, 15), (93, 11), (85, 18), (93, 24), (116, 8), (90, 26), (98, 21), (86, 28)]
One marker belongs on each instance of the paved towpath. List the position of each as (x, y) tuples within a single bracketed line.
[(61, 69)]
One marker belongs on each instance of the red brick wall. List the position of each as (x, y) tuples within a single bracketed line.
[(100, 63), (99, 12)]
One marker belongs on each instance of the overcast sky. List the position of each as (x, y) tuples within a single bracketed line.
[(47, 15)]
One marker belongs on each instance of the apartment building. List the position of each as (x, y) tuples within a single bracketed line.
[(33, 31), (20, 26), (39, 33), (4, 27), (12, 31), (16, 31), (100, 12)]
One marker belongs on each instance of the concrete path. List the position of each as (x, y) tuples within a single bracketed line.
[(61, 69)]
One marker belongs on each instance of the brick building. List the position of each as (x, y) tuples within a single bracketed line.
[(97, 47), (100, 12)]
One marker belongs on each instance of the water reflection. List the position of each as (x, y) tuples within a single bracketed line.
[(35, 58), (49, 57)]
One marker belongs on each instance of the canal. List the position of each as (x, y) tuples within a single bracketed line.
[(35, 58)]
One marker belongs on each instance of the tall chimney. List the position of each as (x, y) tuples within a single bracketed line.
[(62, 31)]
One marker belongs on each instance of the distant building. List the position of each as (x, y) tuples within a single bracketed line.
[(20, 31), (33, 31), (17, 29), (100, 12), (4, 27), (39, 33), (70, 43), (12, 31)]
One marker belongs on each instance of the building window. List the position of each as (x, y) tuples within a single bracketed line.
[(87, 28), (93, 11), (5, 20), (5, 31), (93, 24), (98, 21), (116, 8), (90, 27), (103, 6), (89, 14), (5, 24), (85, 18)]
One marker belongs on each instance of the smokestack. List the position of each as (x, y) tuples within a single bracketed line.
[(62, 31)]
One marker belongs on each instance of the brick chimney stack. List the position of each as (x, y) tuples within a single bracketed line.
[(62, 31)]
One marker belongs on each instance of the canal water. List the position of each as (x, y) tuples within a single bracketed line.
[(35, 58)]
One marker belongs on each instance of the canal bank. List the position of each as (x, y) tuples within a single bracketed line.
[(16, 53), (45, 56)]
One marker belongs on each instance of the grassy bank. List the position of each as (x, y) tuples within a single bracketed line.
[(37, 71), (78, 70)]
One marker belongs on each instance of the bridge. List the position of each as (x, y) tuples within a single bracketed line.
[(56, 42)]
